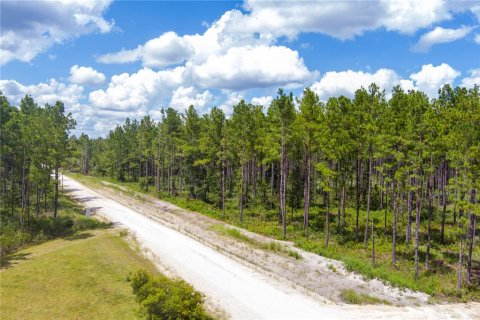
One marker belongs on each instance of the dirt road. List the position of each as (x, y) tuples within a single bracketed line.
[(239, 290)]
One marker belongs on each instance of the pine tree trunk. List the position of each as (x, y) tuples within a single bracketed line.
[(373, 244), (306, 194), (272, 172), (223, 188), (55, 195), (460, 263), (385, 212), (37, 202), (471, 241), (327, 219), (12, 187), (358, 198), (254, 176), (418, 196), (394, 227), (241, 193), (283, 186), (409, 212), (444, 201), (429, 225), (369, 196), (456, 198), (146, 176), (344, 199)]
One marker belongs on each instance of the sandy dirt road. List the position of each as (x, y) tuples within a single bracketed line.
[(242, 292)]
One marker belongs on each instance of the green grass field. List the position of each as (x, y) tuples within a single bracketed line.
[(82, 276)]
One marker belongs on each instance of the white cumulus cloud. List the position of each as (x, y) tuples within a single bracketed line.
[(252, 67), (145, 88), (163, 51), (183, 97), (339, 19), (472, 80), (431, 78), (262, 101), (440, 35), (334, 84), (477, 38), (42, 92), (31, 27), (86, 75)]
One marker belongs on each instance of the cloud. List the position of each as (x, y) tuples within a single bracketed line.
[(473, 79), (477, 38), (31, 27), (429, 79), (232, 98), (339, 19), (145, 88), (43, 92), (334, 84), (86, 75), (167, 49), (262, 101), (183, 97), (252, 67), (440, 35)]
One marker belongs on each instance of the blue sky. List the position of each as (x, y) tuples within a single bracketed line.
[(112, 59)]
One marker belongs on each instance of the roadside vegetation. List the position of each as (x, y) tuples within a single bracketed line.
[(69, 221), (387, 185), (269, 246), (168, 299), (352, 297)]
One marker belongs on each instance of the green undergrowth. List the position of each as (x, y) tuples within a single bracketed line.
[(273, 246), (350, 296), (163, 298), (36, 229)]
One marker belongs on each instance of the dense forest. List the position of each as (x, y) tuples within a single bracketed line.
[(358, 168), (34, 145)]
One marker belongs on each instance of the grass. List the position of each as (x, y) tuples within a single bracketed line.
[(439, 280), (350, 296), (270, 246), (78, 277)]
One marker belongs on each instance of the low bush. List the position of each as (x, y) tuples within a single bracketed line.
[(163, 298), (350, 296)]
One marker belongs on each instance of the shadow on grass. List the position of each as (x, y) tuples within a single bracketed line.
[(9, 260), (79, 236)]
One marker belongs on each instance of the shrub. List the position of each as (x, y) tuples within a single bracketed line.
[(164, 298), (352, 297)]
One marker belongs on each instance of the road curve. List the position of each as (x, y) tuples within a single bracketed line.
[(240, 291)]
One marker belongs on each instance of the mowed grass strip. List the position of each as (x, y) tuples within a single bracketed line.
[(81, 277)]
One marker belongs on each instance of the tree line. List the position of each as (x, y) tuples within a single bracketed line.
[(34, 145)]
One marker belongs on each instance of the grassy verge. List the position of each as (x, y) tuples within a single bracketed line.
[(78, 277), (439, 280), (270, 246), (352, 297)]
